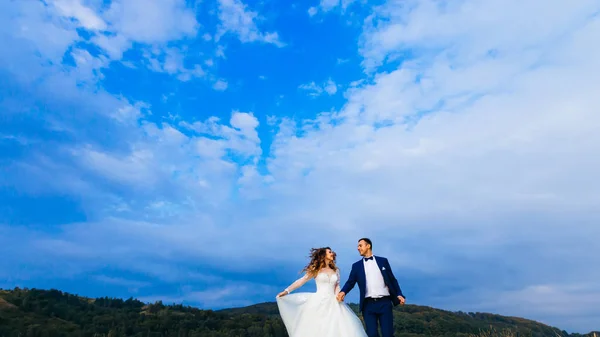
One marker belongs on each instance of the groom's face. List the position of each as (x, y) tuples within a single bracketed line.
[(363, 247)]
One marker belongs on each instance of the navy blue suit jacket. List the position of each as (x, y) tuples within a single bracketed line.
[(357, 275)]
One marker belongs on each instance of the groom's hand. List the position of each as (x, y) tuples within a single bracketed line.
[(402, 300), (340, 296)]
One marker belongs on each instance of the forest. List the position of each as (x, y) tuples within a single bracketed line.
[(49, 313)]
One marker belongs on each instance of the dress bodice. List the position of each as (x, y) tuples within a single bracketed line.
[(326, 282)]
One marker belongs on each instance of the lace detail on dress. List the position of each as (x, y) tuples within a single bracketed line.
[(326, 281), (337, 283), (298, 283)]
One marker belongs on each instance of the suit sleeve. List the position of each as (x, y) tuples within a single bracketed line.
[(351, 281), (394, 280)]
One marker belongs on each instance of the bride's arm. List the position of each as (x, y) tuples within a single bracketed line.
[(337, 284), (297, 284)]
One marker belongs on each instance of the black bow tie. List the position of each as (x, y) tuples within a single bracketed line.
[(368, 258)]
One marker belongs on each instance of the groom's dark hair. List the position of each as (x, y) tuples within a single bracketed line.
[(368, 241)]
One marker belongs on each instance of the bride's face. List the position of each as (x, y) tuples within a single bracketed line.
[(329, 255)]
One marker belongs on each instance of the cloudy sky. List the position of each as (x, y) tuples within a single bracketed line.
[(193, 151)]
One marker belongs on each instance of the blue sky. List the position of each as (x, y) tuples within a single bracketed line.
[(194, 151)]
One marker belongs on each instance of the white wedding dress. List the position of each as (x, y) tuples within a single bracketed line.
[(319, 313)]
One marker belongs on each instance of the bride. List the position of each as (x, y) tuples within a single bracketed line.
[(318, 313)]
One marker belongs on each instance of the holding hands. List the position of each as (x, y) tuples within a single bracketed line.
[(341, 295)]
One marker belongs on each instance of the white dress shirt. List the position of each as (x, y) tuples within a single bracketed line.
[(376, 287)]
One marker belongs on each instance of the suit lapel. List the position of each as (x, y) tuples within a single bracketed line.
[(380, 265), (361, 270), (382, 269)]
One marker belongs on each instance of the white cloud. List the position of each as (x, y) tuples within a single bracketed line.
[(28, 21), (86, 16), (171, 61), (329, 87), (400, 25), (124, 22), (114, 30), (220, 85), (152, 22), (330, 5), (575, 305), (132, 285), (87, 64), (327, 5), (237, 19), (161, 152), (135, 168), (241, 137), (456, 149), (312, 88), (220, 51), (246, 123), (130, 114), (227, 295), (113, 45)]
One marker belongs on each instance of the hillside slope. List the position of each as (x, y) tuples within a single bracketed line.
[(51, 313), (414, 320)]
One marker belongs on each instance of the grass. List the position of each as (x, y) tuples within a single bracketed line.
[(492, 332)]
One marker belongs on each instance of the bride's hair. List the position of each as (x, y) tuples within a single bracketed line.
[(317, 261)]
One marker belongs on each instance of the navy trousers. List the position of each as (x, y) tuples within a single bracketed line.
[(378, 313)]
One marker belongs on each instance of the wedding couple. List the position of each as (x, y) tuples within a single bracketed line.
[(324, 314)]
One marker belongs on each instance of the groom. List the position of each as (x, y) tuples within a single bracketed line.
[(379, 290)]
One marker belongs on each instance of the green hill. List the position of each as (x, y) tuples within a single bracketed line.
[(33, 312)]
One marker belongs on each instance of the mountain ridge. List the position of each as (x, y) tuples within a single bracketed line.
[(48, 313)]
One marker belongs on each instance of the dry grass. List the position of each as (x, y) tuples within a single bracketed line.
[(5, 305), (492, 332)]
